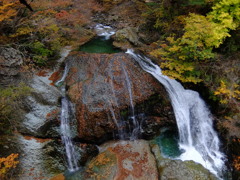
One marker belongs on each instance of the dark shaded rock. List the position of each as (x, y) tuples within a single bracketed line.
[(101, 86), (147, 33), (88, 151), (151, 126), (234, 146), (10, 61)]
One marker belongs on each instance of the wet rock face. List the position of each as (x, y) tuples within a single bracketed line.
[(42, 109), (10, 61), (38, 158), (102, 86)]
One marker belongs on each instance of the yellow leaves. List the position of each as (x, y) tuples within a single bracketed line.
[(170, 39), (226, 13), (226, 93), (175, 64), (8, 163), (199, 31), (174, 48), (210, 31), (177, 70), (22, 31)]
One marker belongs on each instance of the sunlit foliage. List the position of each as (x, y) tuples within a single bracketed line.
[(7, 164), (227, 93), (174, 62)]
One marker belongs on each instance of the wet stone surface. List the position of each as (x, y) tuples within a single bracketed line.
[(39, 158)]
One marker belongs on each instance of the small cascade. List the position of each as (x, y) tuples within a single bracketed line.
[(198, 140), (66, 115), (65, 73), (105, 31)]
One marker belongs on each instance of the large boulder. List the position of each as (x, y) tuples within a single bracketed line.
[(105, 89), (121, 160), (128, 34)]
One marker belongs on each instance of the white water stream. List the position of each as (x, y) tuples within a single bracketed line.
[(67, 111), (197, 138), (105, 31), (66, 134)]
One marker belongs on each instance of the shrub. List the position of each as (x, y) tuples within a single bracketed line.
[(7, 164), (10, 100)]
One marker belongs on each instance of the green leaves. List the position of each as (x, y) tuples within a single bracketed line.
[(226, 13), (200, 36)]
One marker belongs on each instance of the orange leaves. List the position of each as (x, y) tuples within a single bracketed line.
[(8, 163), (62, 15), (7, 9), (236, 163)]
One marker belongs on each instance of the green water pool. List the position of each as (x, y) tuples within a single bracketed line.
[(99, 45), (168, 143)]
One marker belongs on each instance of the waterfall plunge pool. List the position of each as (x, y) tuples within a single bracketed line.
[(99, 44), (168, 143)]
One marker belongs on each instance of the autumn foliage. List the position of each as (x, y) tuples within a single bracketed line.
[(7, 164), (40, 34), (8, 9)]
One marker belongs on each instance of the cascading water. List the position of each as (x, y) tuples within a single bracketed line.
[(197, 139), (66, 116), (59, 82), (105, 31), (66, 134)]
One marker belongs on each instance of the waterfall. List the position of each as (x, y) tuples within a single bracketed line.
[(197, 138), (65, 129), (66, 134)]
